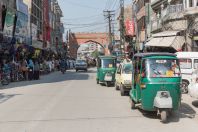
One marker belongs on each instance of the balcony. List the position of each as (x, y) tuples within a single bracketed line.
[(173, 9), (155, 4), (191, 11), (156, 25)]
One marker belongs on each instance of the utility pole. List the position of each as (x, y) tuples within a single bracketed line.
[(122, 28), (109, 14)]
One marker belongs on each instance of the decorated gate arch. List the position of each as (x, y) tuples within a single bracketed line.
[(77, 39)]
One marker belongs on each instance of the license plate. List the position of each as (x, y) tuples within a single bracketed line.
[(108, 78)]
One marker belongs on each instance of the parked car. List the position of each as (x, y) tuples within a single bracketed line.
[(81, 65), (188, 64), (124, 77)]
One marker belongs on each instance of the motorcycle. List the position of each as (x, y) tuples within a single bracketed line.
[(63, 70), (5, 79), (20, 76)]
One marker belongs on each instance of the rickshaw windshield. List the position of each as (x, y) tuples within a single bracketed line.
[(127, 69), (156, 68), (108, 63)]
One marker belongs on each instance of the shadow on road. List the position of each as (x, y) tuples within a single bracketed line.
[(185, 111), (195, 103), (51, 78), (5, 97)]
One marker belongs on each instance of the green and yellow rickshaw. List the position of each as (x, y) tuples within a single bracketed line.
[(106, 68), (156, 83)]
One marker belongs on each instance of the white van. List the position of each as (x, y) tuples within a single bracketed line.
[(188, 64)]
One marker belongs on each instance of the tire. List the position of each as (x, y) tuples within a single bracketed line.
[(116, 87), (164, 115), (4, 82), (122, 91), (184, 87), (97, 81), (108, 84), (76, 70), (132, 104)]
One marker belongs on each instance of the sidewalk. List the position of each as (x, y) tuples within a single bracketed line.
[(27, 82)]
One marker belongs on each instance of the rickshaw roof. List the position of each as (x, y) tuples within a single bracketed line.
[(107, 57), (154, 54)]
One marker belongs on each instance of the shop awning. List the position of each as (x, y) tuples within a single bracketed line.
[(37, 44), (166, 40)]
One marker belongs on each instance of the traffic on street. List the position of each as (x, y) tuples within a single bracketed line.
[(74, 102), (98, 65)]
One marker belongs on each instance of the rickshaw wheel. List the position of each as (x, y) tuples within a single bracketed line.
[(122, 92), (108, 84), (164, 116), (116, 86), (97, 81), (184, 88), (132, 104)]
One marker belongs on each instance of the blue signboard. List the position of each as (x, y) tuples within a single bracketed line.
[(22, 7)]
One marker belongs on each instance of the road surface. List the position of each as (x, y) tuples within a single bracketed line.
[(73, 102)]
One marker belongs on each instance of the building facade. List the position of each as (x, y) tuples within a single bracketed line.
[(166, 25), (139, 8), (30, 24)]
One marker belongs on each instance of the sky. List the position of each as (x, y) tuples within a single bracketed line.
[(87, 15)]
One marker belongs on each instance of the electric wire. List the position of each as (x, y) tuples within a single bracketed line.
[(81, 5)]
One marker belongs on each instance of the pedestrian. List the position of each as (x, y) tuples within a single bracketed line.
[(49, 63), (30, 69), (24, 69), (36, 71)]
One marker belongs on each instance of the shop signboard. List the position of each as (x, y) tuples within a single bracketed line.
[(34, 32), (21, 25), (22, 20), (130, 27), (29, 5), (9, 23), (22, 7)]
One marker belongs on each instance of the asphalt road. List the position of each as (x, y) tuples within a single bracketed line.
[(73, 102)]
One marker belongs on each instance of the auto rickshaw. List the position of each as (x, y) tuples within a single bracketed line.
[(106, 69), (156, 83)]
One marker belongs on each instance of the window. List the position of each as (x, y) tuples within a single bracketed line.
[(185, 63), (108, 63), (162, 68), (81, 61), (127, 69), (196, 64)]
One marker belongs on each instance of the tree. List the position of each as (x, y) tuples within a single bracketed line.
[(95, 54)]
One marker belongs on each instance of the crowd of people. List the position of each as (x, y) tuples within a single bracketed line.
[(31, 69)]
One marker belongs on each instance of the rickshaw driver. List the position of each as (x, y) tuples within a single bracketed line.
[(173, 71)]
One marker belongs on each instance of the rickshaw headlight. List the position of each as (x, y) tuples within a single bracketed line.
[(142, 86), (164, 94)]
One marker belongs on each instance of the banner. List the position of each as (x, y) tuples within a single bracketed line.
[(22, 7), (130, 27), (21, 25), (34, 32), (9, 23), (29, 5)]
